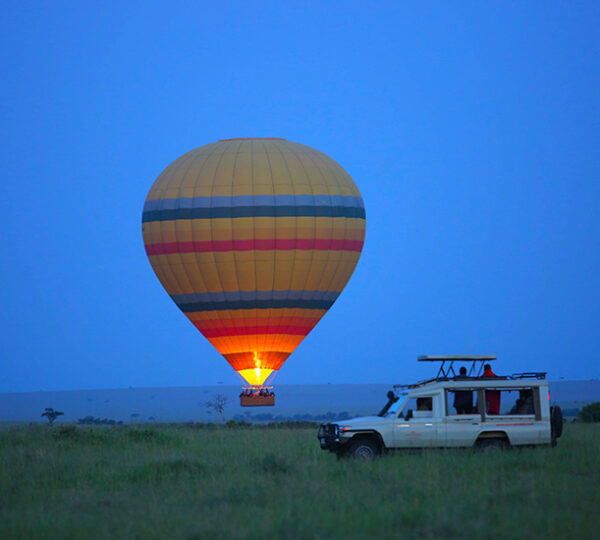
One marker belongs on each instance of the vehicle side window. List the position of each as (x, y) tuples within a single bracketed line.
[(517, 402), (460, 402), (420, 407)]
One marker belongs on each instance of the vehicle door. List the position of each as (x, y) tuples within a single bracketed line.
[(462, 420), (418, 423)]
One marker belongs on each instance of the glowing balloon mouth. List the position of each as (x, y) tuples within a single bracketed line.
[(256, 376)]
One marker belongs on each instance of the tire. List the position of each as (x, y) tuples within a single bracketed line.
[(363, 449), (491, 445), (556, 422)]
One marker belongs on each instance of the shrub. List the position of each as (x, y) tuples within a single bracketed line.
[(66, 432), (590, 413)]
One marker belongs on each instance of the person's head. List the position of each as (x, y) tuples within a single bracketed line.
[(424, 404), (487, 367), (463, 370)]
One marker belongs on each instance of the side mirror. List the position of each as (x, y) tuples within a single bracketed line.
[(409, 414)]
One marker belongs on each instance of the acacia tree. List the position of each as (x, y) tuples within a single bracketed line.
[(218, 404), (51, 414)]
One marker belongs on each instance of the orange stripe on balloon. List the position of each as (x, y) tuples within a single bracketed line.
[(322, 244), (265, 342)]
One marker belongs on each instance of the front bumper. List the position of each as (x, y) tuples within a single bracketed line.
[(329, 437)]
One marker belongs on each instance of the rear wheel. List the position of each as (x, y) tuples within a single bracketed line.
[(556, 422), (363, 449), (491, 444)]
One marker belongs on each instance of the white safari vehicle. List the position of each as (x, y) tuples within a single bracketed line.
[(468, 409)]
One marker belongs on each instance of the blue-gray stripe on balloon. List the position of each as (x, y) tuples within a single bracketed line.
[(245, 296), (254, 200)]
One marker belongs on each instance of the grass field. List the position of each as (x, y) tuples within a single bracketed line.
[(184, 482)]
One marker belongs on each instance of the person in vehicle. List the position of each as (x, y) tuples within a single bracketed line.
[(524, 404), (492, 397), (424, 407), (463, 399), (424, 404), (516, 408)]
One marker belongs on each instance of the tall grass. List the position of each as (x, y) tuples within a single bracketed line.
[(181, 482)]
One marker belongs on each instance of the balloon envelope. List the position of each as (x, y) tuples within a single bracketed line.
[(254, 239)]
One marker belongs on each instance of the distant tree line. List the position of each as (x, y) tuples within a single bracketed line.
[(266, 417), (590, 413), (90, 420)]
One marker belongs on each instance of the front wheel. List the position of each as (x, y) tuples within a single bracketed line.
[(363, 449)]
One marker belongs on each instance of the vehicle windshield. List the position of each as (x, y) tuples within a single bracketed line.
[(395, 407)]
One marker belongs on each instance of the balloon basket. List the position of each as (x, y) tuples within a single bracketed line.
[(257, 401), (257, 397)]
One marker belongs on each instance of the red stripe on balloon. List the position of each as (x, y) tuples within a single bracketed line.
[(275, 322), (256, 330), (321, 244)]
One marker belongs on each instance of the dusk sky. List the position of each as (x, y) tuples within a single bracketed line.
[(472, 130)]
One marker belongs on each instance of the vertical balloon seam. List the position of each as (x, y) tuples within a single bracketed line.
[(249, 341), (340, 262), (237, 152), (277, 339), (162, 179), (221, 316), (193, 169), (225, 315), (269, 341), (258, 344), (299, 157), (341, 172), (339, 282), (330, 188), (232, 341), (273, 327), (300, 160), (170, 186), (254, 339)]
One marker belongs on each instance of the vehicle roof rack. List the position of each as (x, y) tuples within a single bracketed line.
[(447, 363), (529, 375)]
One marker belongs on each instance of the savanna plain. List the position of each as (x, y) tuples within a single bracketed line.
[(208, 481)]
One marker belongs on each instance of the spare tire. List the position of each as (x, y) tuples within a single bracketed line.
[(556, 421)]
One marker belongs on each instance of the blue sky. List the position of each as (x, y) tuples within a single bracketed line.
[(472, 130)]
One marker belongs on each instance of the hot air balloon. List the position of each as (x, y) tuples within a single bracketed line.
[(254, 239)]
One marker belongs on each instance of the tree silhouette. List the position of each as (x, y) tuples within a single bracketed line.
[(51, 414), (218, 404)]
